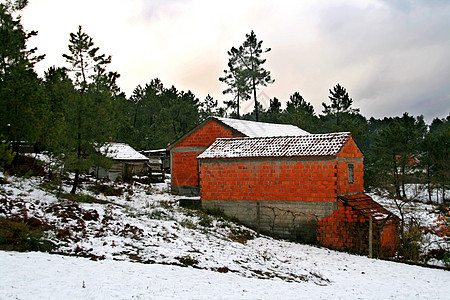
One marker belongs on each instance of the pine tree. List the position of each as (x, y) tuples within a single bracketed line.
[(395, 150), (208, 108), (160, 115), (273, 114), (246, 69), (91, 113), (436, 156), (340, 104), (23, 107), (300, 113), (236, 81)]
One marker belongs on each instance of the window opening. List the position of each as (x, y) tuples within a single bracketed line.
[(350, 174)]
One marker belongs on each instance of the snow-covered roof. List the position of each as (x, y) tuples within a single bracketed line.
[(248, 129), (121, 151), (260, 129), (282, 146)]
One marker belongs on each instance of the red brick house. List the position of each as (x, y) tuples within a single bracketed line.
[(295, 187), (184, 151)]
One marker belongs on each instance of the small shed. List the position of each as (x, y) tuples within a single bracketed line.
[(347, 228), (285, 186), (127, 162), (184, 151), (159, 159)]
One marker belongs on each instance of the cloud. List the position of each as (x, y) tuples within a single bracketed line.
[(392, 56)]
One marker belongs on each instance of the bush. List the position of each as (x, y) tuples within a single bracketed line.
[(6, 154), (26, 166), (205, 220), (410, 243), (241, 235), (187, 260)]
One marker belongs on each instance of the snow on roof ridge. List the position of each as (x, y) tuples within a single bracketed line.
[(262, 129), (311, 135), (327, 144)]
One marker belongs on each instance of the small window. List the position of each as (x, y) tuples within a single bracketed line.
[(350, 174)]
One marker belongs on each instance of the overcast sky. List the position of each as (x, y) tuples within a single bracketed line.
[(391, 55)]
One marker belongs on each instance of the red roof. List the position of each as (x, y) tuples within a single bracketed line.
[(368, 207), (282, 146)]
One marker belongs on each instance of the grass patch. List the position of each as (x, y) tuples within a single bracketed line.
[(81, 198), (24, 235), (106, 190)]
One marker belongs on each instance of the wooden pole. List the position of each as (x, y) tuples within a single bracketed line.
[(258, 217), (370, 236)]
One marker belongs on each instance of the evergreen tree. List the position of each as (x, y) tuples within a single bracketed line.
[(273, 114), (90, 114), (436, 156), (160, 115), (300, 113), (235, 79), (247, 63), (23, 109), (340, 104), (208, 108), (340, 116), (394, 153)]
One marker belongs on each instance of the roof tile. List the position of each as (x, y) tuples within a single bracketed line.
[(282, 146), (367, 206)]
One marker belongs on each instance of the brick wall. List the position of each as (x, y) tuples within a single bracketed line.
[(347, 229), (281, 197), (206, 135), (350, 154), (269, 179), (184, 167)]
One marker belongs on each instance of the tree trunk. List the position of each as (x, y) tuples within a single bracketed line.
[(75, 181), (238, 116), (256, 101), (429, 183), (396, 179)]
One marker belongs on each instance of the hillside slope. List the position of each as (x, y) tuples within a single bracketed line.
[(144, 224)]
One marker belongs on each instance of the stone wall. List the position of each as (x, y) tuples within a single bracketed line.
[(292, 220)]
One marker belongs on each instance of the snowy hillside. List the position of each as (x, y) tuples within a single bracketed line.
[(140, 241)]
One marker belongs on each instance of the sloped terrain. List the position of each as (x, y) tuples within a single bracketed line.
[(144, 224)]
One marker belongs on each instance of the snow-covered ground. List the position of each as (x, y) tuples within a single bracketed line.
[(36, 275), (140, 240)]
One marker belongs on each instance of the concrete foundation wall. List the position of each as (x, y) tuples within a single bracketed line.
[(185, 190), (294, 220)]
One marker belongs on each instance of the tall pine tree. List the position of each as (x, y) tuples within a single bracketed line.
[(247, 63), (90, 112), (23, 107), (235, 79)]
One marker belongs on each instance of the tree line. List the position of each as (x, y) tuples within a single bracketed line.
[(74, 108)]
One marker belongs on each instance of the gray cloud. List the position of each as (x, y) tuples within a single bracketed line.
[(399, 53), (392, 56)]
